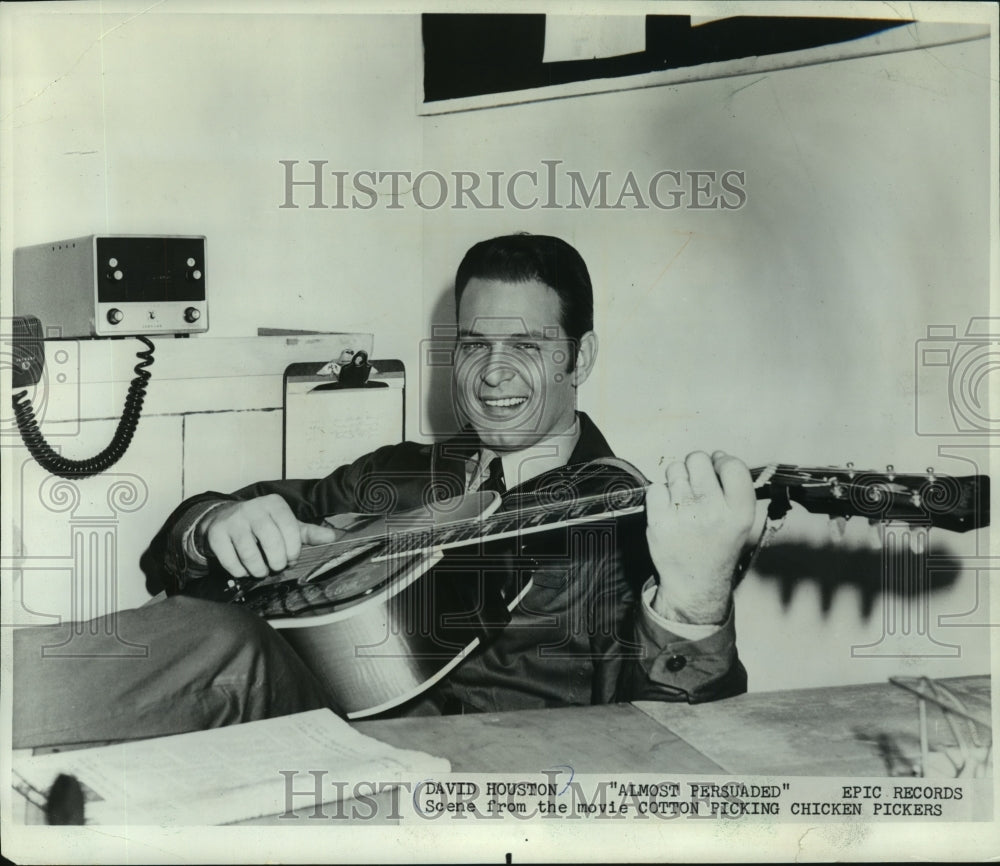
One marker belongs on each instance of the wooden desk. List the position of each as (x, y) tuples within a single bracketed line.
[(858, 730), (601, 739), (861, 730)]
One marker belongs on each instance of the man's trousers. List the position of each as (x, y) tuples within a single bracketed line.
[(176, 665)]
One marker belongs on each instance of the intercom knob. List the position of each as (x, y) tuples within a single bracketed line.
[(115, 315), (191, 315)]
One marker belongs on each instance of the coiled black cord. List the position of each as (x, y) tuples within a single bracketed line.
[(66, 467)]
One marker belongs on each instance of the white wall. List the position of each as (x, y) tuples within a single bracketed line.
[(784, 330)]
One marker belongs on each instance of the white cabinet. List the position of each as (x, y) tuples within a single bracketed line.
[(212, 420), (75, 546), (227, 450)]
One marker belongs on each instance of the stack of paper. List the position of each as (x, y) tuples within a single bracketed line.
[(227, 774)]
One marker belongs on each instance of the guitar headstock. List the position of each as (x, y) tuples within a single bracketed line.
[(923, 499)]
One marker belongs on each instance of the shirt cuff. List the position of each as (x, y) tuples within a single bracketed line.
[(699, 669), (187, 526), (686, 630)]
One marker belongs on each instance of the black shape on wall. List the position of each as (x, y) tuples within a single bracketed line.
[(472, 55)]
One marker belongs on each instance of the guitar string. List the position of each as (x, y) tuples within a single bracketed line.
[(521, 516), (316, 561)]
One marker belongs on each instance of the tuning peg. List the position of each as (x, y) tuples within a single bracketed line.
[(850, 470), (838, 528), (878, 533), (890, 472), (930, 474)]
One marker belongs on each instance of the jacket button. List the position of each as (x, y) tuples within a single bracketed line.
[(676, 663)]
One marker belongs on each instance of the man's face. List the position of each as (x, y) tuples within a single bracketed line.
[(511, 376)]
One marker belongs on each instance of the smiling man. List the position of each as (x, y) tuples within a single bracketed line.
[(631, 612), (647, 616)]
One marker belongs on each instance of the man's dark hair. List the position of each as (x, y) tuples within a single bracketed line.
[(522, 258)]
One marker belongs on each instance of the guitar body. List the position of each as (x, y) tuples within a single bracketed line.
[(379, 626), (376, 653)]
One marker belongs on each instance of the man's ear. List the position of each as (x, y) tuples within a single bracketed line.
[(586, 355)]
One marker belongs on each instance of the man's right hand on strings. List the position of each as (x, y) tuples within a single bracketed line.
[(257, 537)]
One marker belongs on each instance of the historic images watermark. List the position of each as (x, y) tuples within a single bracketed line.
[(85, 554), (959, 367), (952, 376), (547, 186), (45, 372), (38, 377)]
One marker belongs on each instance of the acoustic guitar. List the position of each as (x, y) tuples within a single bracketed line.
[(398, 600)]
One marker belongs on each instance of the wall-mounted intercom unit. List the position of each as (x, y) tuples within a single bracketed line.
[(114, 285), (101, 286)]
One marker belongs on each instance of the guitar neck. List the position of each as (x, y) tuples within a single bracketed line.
[(956, 504)]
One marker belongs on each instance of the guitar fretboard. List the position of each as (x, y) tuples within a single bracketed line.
[(519, 516)]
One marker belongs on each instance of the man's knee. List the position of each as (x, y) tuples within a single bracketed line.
[(248, 650), (216, 628)]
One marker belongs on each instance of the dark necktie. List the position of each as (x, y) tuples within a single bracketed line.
[(495, 481)]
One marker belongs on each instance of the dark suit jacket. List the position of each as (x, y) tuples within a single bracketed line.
[(579, 636)]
